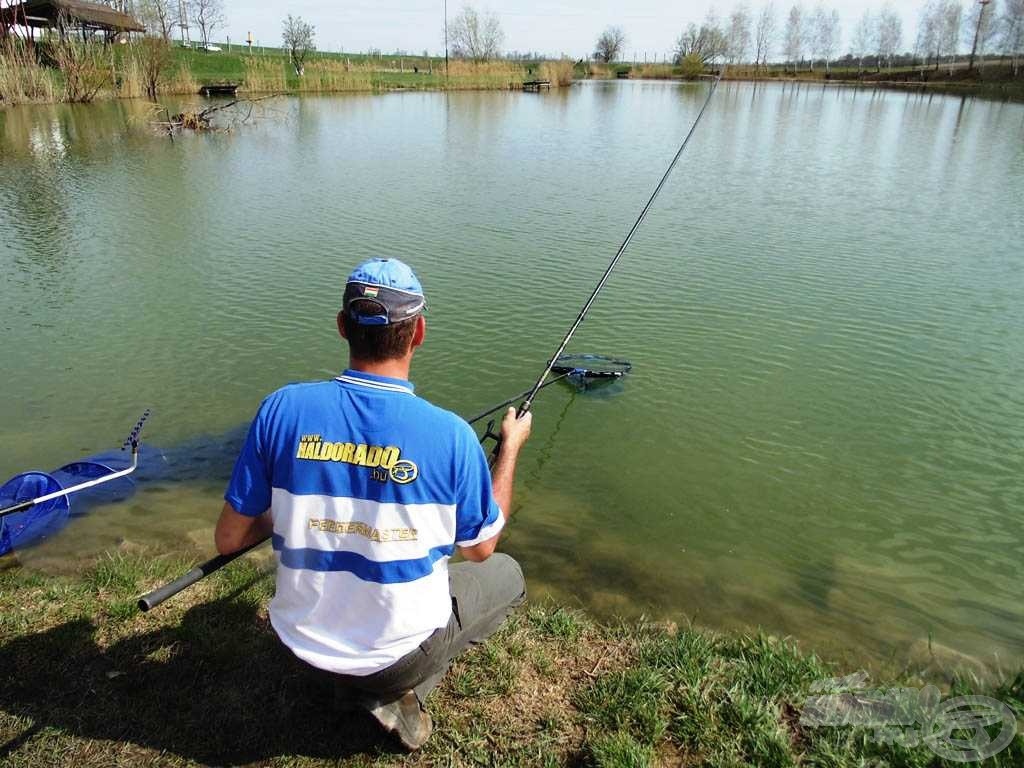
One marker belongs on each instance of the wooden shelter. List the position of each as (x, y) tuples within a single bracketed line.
[(66, 15)]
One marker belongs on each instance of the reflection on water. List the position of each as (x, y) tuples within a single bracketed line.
[(823, 431)]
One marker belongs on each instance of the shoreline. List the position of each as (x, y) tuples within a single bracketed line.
[(203, 680)]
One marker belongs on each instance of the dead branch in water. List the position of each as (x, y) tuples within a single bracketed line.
[(203, 119)]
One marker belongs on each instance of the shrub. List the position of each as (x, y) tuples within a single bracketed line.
[(692, 67)]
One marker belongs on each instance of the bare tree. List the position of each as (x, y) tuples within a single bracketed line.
[(980, 25), (476, 36), (929, 32), (609, 45), (154, 56), (794, 36), (706, 42), (890, 34), (159, 16), (864, 35), (764, 36), (1013, 32), (825, 32), (738, 34), (949, 31), (299, 38), (208, 16), (83, 62)]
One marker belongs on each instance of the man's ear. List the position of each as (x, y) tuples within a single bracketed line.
[(341, 324), (420, 333)]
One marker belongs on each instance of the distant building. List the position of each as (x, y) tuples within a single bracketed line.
[(69, 16)]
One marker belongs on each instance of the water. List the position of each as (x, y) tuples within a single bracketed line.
[(823, 434)]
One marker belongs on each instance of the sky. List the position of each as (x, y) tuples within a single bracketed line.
[(553, 27)]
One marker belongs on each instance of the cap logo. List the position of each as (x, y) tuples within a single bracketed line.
[(370, 291)]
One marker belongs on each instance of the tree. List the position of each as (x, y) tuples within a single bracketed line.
[(1013, 32), (825, 31), (890, 34), (929, 32), (864, 35), (161, 17), (707, 41), (298, 38), (208, 15), (952, 21), (476, 36), (764, 36), (793, 36), (984, 31), (609, 45), (738, 34)]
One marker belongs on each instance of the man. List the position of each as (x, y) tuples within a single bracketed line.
[(367, 490)]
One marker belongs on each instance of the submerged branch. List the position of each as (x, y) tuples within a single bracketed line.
[(203, 120)]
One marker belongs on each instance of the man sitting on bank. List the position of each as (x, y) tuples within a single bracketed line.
[(367, 490)]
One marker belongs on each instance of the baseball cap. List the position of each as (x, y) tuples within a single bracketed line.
[(388, 292)]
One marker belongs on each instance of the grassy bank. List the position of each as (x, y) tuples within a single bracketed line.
[(24, 79), (89, 681)]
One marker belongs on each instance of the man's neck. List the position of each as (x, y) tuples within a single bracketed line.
[(393, 369)]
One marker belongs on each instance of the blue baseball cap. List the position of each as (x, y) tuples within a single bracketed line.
[(387, 290)]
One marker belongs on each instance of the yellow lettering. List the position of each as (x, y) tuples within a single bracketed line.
[(336, 450), (373, 456), (346, 456), (360, 455), (389, 456)]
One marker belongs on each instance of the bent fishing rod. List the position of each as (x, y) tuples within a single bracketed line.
[(154, 598), (532, 394), (131, 442)]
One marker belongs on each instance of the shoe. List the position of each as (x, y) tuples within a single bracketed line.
[(405, 718)]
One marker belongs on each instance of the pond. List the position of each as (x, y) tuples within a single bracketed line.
[(824, 430)]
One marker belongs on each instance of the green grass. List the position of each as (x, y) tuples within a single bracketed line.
[(88, 681)]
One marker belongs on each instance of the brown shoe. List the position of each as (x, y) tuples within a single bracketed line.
[(405, 718)]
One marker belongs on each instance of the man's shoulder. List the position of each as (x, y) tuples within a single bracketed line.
[(297, 393), (437, 418)]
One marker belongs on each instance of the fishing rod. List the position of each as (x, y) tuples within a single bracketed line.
[(532, 394), (574, 368), (132, 441), (159, 595)]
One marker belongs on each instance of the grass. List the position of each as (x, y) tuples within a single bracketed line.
[(89, 681)]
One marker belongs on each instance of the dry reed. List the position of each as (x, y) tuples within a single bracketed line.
[(22, 80), (559, 73)]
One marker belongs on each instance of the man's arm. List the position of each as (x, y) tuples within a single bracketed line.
[(236, 531), (514, 434)]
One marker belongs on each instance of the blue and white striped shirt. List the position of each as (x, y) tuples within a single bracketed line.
[(370, 489)]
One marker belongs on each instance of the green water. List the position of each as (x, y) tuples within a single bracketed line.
[(824, 431)]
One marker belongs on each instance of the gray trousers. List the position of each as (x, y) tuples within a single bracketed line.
[(483, 595)]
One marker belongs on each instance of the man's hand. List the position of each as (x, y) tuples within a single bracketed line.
[(515, 432)]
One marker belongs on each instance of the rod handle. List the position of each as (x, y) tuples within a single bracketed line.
[(152, 599), (160, 594)]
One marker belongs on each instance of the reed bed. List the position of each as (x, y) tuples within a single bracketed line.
[(326, 75), (22, 79), (490, 75), (265, 75), (600, 70), (558, 72), (653, 72)]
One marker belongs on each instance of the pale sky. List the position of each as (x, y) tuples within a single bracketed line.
[(554, 27)]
